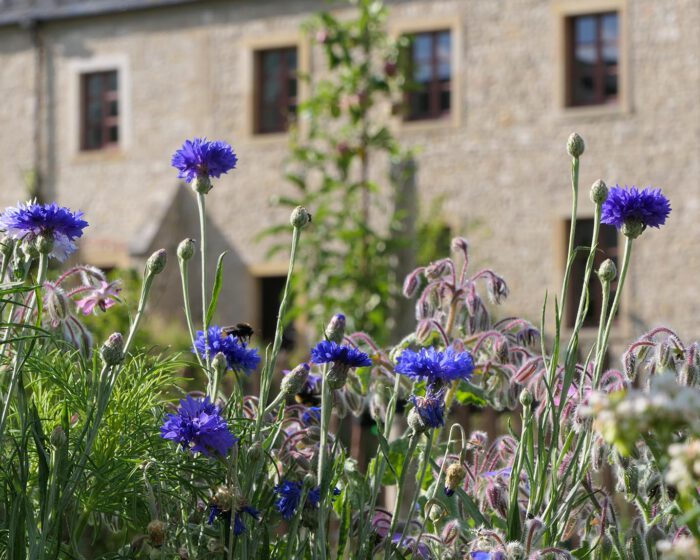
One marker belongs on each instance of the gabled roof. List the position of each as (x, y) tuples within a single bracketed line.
[(29, 11)]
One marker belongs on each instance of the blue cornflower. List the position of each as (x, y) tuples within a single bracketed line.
[(238, 525), (647, 207), (328, 351), (311, 415), (431, 408), (434, 366), (201, 158), (314, 496), (27, 221), (289, 496), (238, 356), (484, 555), (198, 425)]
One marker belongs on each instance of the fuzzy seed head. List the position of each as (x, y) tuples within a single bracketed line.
[(455, 475), (156, 532), (223, 498)]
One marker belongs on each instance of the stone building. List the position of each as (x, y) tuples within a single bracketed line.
[(97, 94)]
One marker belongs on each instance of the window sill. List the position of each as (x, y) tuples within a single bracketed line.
[(428, 125), (269, 137), (112, 153), (594, 111)]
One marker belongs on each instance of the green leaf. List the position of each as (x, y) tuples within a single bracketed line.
[(384, 445), (218, 281), (469, 394)]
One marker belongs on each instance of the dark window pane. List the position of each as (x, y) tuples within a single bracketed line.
[(94, 85), (100, 110), (93, 137), (276, 88), (112, 81), (113, 134), (113, 108), (430, 73), (593, 59)]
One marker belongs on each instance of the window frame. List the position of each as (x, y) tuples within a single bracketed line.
[(106, 121), (285, 100), (599, 71), (434, 87)]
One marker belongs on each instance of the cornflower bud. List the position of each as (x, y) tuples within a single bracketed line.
[(112, 351), (202, 184), (335, 331), (599, 192), (255, 452), (300, 217), (337, 375), (293, 382), (526, 398), (607, 271), (219, 364), (633, 228), (454, 477), (58, 437), (156, 532), (575, 145), (436, 512), (156, 262), (415, 422), (186, 249)]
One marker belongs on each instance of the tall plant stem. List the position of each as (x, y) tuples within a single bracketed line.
[(185, 281), (326, 409), (425, 461), (201, 207)]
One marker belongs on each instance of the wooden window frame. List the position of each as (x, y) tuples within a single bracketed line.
[(284, 99), (107, 95), (600, 71), (578, 270), (435, 88)]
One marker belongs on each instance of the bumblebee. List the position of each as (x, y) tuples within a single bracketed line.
[(242, 331), (308, 399)]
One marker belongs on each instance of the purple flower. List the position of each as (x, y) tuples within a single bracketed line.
[(289, 496), (238, 356), (314, 497), (434, 366), (311, 415), (201, 158), (26, 222), (328, 351), (431, 408), (484, 555), (103, 297), (198, 426), (648, 207), (238, 525)]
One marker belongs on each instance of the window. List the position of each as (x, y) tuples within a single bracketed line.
[(607, 249), (430, 71), (100, 110), (275, 89), (593, 59), (271, 290)]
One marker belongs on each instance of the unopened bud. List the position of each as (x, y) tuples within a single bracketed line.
[(607, 271), (410, 284), (57, 304), (293, 382), (415, 422), (223, 498), (526, 398), (450, 532), (113, 350), (335, 331), (496, 497), (663, 356), (186, 249), (156, 532), (58, 437), (515, 551), (454, 477), (502, 350), (156, 262), (300, 217), (44, 244), (309, 480), (255, 452), (436, 512), (575, 145), (599, 192), (219, 363)]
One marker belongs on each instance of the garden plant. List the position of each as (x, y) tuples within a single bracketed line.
[(99, 459)]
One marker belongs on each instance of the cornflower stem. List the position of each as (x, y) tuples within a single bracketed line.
[(572, 237), (292, 535), (326, 410), (271, 361), (18, 360), (423, 466), (201, 207), (380, 465), (413, 443), (185, 281)]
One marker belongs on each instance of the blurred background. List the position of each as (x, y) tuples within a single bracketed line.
[(467, 104)]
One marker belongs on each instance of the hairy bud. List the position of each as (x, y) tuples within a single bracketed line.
[(58, 437), (335, 331), (411, 283), (156, 262), (57, 304), (44, 244), (300, 217), (575, 145), (186, 249), (415, 422), (607, 271), (156, 532), (515, 551), (112, 350), (599, 192), (293, 382), (497, 499), (337, 375)]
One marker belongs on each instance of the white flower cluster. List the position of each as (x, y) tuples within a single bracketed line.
[(684, 468), (665, 407), (682, 548)]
